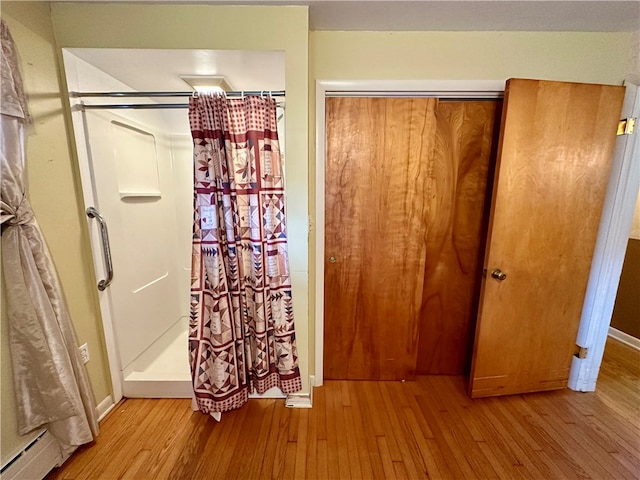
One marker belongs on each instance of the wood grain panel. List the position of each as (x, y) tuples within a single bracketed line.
[(378, 151), (456, 231), (438, 432), (551, 176)]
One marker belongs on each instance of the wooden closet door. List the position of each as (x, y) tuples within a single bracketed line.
[(464, 152), (378, 152), (551, 177)]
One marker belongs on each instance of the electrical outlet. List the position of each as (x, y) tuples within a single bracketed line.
[(84, 353)]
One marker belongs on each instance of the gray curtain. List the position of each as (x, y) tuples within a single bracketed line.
[(51, 384)]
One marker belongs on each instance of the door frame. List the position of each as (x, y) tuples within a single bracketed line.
[(89, 197), (608, 256), (610, 250), (489, 89)]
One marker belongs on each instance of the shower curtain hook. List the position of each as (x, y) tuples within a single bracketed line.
[(195, 94)]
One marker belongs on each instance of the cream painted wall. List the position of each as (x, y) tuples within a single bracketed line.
[(634, 59), (222, 27), (569, 56), (635, 226), (55, 195)]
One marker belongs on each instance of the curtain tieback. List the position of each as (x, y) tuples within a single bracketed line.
[(22, 215)]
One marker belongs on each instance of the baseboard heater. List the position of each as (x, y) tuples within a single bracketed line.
[(37, 459)]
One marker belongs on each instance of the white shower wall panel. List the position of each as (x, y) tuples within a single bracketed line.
[(138, 205), (182, 167), (149, 161)]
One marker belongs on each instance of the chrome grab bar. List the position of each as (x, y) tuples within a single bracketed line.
[(106, 249)]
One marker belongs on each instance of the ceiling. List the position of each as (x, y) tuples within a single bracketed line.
[(160, 70), (476, 15), (457, 15)]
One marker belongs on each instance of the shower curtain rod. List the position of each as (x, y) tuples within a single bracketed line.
[(134, 106), (238, 93), (141, 106)]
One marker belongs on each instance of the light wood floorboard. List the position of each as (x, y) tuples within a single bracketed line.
[(382, 430)]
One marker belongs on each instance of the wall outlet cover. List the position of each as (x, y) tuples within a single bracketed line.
[(84, 353)]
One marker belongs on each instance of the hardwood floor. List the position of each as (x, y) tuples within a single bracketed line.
[(378, 430)]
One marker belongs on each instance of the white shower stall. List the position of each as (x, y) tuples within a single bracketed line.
[(136, 169)]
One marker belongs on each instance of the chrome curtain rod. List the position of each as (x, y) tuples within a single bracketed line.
[(146, 106), (142, 106), (135, 106), (238, 93)]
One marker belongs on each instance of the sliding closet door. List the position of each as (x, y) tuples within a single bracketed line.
[(457, 216), (378, 153), (551, 177)]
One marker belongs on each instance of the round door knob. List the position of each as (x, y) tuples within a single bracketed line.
[(332, 259), (498, 275)]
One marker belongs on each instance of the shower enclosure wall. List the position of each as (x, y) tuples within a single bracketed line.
[(137, 171)]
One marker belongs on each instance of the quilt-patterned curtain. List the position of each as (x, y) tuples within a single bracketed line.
[(241, 332)]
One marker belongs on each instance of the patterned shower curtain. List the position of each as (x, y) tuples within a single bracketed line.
[(241, 335)]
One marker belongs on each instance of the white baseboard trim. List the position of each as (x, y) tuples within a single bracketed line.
[(104, 407), (295, 400), (42, 455), (624, 338), (157, 388), (302, 400)]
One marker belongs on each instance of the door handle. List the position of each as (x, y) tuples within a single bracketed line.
[(332, 259), (106, 249), (498, 275)]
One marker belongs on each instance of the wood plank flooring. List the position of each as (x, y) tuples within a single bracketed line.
[(381, 430)]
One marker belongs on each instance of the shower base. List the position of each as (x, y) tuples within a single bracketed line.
[(162, 371)]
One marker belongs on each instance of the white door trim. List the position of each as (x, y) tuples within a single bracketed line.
[(615, 221), (611, 246), (95, 240), (369, 88)]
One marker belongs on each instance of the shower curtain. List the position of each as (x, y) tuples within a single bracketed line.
[(51, 384), (241, 335)]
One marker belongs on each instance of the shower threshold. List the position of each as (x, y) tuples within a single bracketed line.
[(163, 370)]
